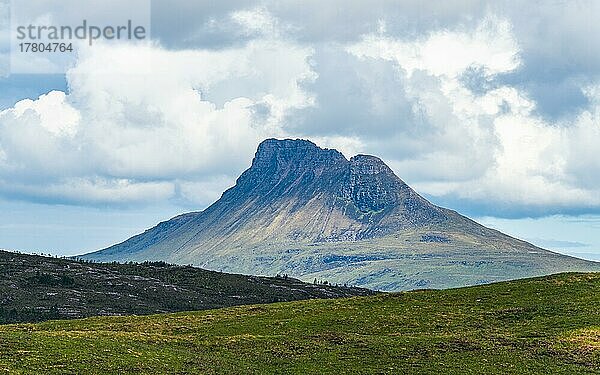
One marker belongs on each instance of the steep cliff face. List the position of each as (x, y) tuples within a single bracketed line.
[(348, 199), (310, 212)]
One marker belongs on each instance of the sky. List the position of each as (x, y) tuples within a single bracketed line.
[(489, 108)]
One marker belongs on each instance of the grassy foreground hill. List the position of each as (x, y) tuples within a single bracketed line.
[(548, 325)]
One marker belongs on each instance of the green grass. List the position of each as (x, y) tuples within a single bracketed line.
[(548, 325)]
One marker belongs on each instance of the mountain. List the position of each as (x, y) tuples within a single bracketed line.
[(311, 213), (35, 288)]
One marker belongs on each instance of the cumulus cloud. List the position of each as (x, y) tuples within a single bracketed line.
[(142, 123), (444, 134), (490, 46), (256, 21), (447, 97), (488, 144)]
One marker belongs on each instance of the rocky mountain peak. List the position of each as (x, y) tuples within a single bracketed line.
[(301, 168), (292, 153), (288, 167)]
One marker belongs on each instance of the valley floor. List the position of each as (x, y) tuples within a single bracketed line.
[(548, 325)]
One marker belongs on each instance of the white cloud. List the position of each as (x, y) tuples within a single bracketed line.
[(257, 20), (448, 53), (347, 145), (136, 118), (581, 144), (92, 190), (184, 123), (51, 111), (457, 141), (489, 146)]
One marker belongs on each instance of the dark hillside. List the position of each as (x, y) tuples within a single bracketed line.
[(36, 288)]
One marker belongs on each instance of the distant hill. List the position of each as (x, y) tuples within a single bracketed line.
[(35, 288), (310, 212), (543, 326)]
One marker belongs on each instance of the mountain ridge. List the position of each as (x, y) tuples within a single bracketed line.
[(310, 212)]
